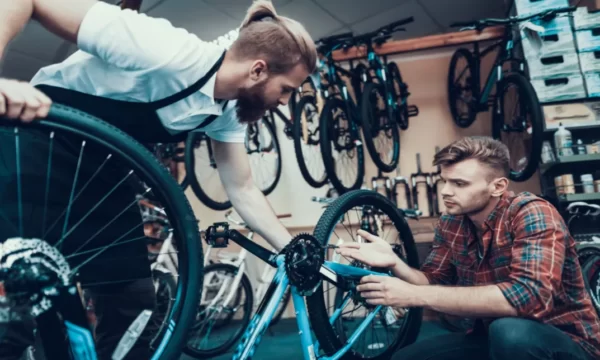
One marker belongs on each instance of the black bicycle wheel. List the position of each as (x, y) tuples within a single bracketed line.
[(591, 277), (586, 252), (264, 153), (199, 160), (462, 88), (375, 207), (400, 95), (518, 122), (341, 147), (215, 330), (69, 143), (283, 304), (306, 142), (380, 132)]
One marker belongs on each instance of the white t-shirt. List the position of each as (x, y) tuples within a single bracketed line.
[(129, 56)]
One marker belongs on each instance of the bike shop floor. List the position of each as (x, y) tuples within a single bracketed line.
[(282, 342)]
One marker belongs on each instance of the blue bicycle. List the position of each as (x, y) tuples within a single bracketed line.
[(324, 291)]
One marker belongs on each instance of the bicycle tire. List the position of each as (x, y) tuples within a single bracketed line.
[(269, 126), (401, 96), (463, 123), (360, 77), (166, 280), (297, 135), (181, 216), (537, 119), (287, 295), (367, 122), (325, 122), (585, 252), (591, 278), (247, 287), (190, 170), (317, 311)]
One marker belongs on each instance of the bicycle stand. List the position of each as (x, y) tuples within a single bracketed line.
[(386, 183), (401, 181), (419, 179), (435, 180)]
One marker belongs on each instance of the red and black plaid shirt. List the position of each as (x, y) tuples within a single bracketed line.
[(527, 251)]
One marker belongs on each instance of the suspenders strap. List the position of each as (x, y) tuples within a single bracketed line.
[(159, 104)]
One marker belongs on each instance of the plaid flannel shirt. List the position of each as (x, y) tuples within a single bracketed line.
[(528, 253)]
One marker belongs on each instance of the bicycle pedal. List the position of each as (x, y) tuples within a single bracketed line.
[(217, 235)]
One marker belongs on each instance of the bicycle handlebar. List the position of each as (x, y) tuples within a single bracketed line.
[(335, 38), (383, 31), (480, 24)]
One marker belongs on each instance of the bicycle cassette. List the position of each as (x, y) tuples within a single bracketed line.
[(304, 257)]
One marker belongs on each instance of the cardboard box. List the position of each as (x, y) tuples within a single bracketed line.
[(559, 87), (592, 84), (589, 61), (527, 7), (584, 18), (546, 66), (572, 115), (588, 40), (549, 42)]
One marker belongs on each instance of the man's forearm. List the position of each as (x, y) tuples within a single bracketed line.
[(408, 274), (13, 17), (476, 301), (253, 207)]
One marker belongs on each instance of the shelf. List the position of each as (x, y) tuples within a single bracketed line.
[(575, 128), (579, 197), (423, 43), (544, 168)]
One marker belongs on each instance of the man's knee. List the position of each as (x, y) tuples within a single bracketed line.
[(514, 338)]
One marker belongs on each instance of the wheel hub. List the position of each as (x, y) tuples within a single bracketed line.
[(31, 270)]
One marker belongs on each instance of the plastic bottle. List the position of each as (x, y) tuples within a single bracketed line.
[(580, 147), (563, 141)]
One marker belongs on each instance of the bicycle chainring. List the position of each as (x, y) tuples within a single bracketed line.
[(304, 257)]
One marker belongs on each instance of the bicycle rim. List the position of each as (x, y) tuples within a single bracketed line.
[(306, 142), (380, 339)]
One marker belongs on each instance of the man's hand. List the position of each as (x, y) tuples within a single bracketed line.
[(387, 291), (20, 100), (377, 252)]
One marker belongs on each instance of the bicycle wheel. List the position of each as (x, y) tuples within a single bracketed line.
[(591, 277), (400, 95), (202, 174), (517, 122), (586, 252), (262, 146), (219, 323), (341, 147), (306, 142), (380, 132), (360, 77), (462, 88), (166, 290), (373, 212), (97, 227)]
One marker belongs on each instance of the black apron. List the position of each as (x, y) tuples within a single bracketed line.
[(118, 263), (139, 120)]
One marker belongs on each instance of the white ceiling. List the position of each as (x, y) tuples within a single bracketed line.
[(35, 47)]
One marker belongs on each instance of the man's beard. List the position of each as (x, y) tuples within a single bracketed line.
[(251, 105)]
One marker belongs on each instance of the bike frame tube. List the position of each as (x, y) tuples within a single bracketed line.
[(505, 48), (262, 319)]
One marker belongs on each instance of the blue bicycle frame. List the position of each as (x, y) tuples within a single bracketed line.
[(330, 271)]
